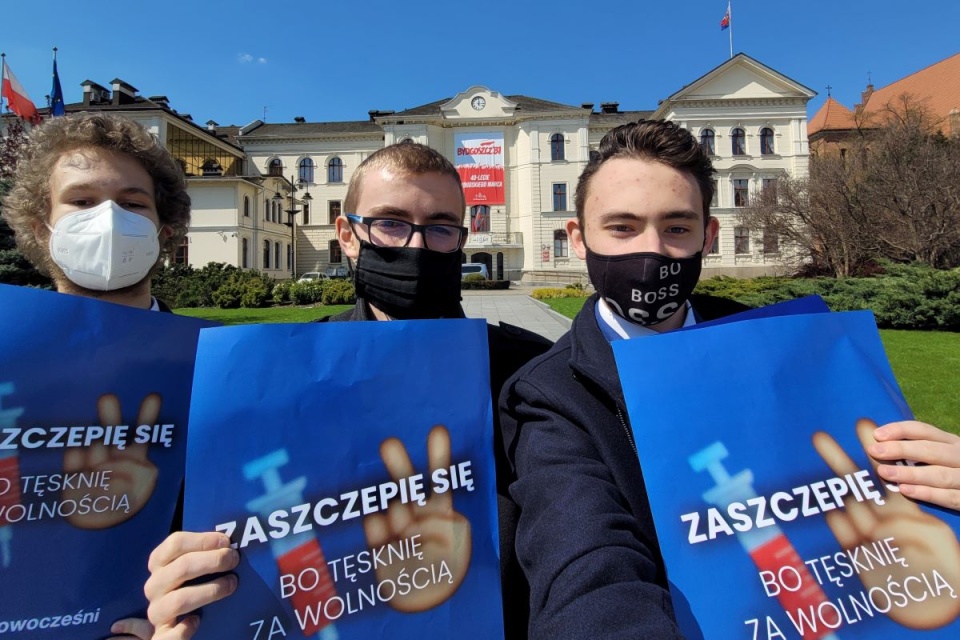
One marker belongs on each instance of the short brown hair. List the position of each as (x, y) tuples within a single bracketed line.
[(404, 157), (656, 140), (29, 199)]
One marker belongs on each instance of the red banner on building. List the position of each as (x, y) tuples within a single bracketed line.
[(479, 160)]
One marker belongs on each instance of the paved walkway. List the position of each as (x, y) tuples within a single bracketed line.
[(515, 306)]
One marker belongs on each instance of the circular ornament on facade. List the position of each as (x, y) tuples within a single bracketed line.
[(478, 103)]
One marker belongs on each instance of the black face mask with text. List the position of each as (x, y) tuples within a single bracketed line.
[(409, 284), (644, 288)]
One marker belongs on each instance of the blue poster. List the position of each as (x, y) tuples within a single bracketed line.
[(352, 465), (94, 399), (772, 521)]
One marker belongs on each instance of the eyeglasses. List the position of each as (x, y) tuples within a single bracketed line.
[(390, 232)]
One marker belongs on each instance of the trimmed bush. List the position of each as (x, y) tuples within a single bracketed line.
[(307, 292), (549, 293), (484, 284), (338, 292), (281, 292)]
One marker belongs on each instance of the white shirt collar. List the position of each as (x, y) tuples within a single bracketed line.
[(615, 327)]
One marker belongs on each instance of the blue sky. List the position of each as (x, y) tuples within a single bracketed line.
[(328, 60)]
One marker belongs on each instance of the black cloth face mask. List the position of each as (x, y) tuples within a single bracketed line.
[(409, 284), (644, 288)]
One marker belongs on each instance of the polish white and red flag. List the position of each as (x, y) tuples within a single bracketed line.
[(16, 96)]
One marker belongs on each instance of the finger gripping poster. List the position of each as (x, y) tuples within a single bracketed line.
[(94, 401), (351, 465), (772, 520)]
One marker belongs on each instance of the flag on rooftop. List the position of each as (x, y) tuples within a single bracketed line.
[(725, 21), (56, 94), (16, 95)]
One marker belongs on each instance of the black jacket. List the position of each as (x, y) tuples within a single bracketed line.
[(585, 536), (510, 348)]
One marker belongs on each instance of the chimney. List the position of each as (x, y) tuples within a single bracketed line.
[(955, 122), (865, 94), (375, 113), (299, 119), (609, 107), (123, 93), (94, 93), (587, 105), (163, 101), (212, 125)]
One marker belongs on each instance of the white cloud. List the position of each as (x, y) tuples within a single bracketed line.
[(262, 60), (244, 57)]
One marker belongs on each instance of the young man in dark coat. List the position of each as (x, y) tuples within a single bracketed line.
[(403, 230), (585, 537)]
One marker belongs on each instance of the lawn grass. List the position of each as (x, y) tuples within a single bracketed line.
[(260, 316), (926, 364)]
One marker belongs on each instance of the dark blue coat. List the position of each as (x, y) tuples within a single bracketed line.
[(585, 536)]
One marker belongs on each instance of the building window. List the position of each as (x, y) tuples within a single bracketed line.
[(715, 201), (560, 196), (556, 147), (306, 170), (335, 170), (479, 219), (769, 187), (334, 209), (276, 167), (560, 248), (707, 138), (306, 213), (740, 192), (741, 240), (406, 140), (276, 255), (771, 241), (766, 141), (182, 255), (336, 254), (266, 254), (275, 211), (290, 257), (738, 142), (211, 167), (246, 206), (266, 209), (245, 253), (715, 247)]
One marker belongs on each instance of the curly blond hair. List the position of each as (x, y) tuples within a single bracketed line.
[(29, 199)]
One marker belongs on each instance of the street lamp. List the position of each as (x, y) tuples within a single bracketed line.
[(291, 222)]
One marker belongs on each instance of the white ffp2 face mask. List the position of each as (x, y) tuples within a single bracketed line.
[(106, 247)]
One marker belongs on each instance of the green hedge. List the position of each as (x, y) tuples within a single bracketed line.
[(483, 283), (901, 297)]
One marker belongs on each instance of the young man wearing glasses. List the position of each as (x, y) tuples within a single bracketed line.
[(403, 230)]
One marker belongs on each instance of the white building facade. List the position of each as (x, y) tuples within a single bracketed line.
[(751, 117)]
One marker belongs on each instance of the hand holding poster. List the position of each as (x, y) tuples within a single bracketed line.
[(353, 473), (94, 400), (770, 490)]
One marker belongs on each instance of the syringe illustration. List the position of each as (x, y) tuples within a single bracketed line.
[(768, 547), (9, 475), (295, 552)]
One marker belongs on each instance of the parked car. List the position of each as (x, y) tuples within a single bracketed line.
[(337, 272), (470, 268), (311, 275)]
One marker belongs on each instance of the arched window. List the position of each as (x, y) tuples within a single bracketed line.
[(335, 170), (246, 206), (276, 255), (406, 140), (707, 137), (266, 254), (479, 218), (266, 209), (766, 141), (560, 247), (306, 170), (556, 147), (276, 167), (738, 142), (245, 253), (211, 168)]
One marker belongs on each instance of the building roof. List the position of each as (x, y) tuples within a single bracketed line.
[(297, 129), (832, 116), (618, 118), (936, 86), (525, 104)]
